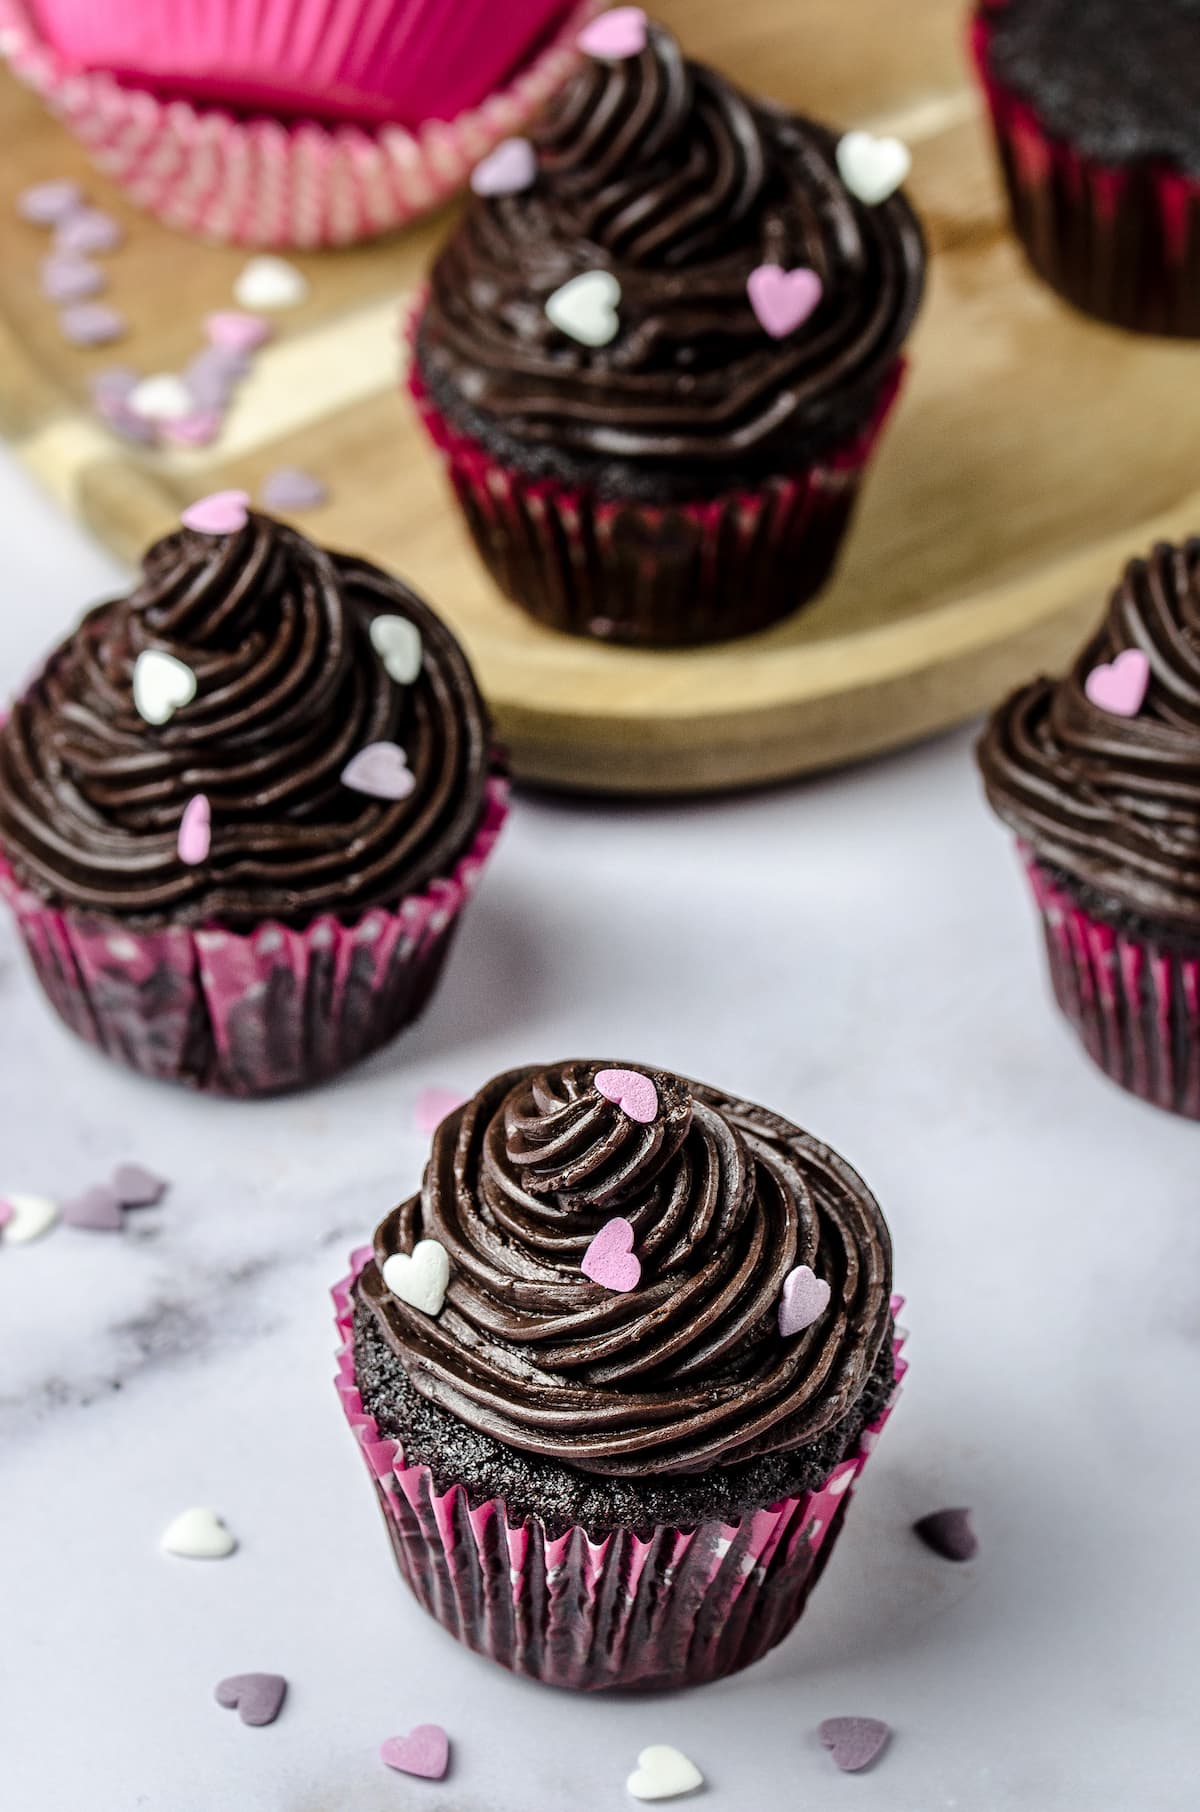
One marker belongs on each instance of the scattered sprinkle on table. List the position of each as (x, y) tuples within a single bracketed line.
[(87, 230), (663, 1773), (433, 1104), (137, 1186), (92, 324), (198, 1534), (854, 1743), (46, 203), (289, 489), (948, 1533), (425, 1752), (270, 282), (95, 1210), (26, 1218), (65, 278), (257, 1698)]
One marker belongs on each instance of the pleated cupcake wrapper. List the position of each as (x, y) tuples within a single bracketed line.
[(1134, 1004), (670, 1608), (1122, 243), (262, 182), (629, 571), (249, 1013)]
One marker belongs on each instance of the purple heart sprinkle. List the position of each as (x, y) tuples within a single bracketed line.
[(257, 1698), (854, 1743), (214, 374), (92, 324), (948, 1533), (98, 1210), (288, 489), (87, 230), (49, 202), (138, 1187), (114, 383), (70, 279), (123, 422)]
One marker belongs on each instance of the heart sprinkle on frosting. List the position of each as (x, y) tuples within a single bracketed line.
[(425, 1752), (615, 35), (161, 686), (381, 770), (1120, 686), (663, 1773), (420, 1277), (632, 1092), (195, 831), (397, 642), (511, 167), (854, 1743), (585, 308), (257, 1698), (610, 1260), (805, 1299), (872, 168), (222, 513), (783, 300)]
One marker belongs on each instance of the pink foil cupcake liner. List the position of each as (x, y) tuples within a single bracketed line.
[(253, 1013), (1119, 242), (656, 1610), (628, 571), (264, 182), (1134, 1004)]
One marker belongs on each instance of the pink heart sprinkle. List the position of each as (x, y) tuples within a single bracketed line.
[(805, 1298), (195, 831), (224, 513), (197, 430), (511, 167), (854, 1742), (425, 1751), (615, 34), (381, 770), (234, 331), (1120, 686), (610, 1260), (92, 324), (783, 300), (433, 1104), (632, 1092), (6, 1212)]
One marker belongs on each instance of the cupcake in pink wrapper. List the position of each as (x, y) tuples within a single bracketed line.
[(659, 348), (292, 122), (242, 809), (1098, 774), (1093, 105), (615, 1371)]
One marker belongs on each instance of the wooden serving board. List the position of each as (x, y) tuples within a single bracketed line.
[(1031, 454)]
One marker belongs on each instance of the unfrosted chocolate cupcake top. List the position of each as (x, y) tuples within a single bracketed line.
[(323, 715), (1117, 80), (1100, 771), (644, 1276), (657, 189)]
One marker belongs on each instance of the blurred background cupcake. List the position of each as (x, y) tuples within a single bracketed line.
[(1094, 107), (242, 809), (658, 350), (1099, 776), (291, 122), (615, 1372)]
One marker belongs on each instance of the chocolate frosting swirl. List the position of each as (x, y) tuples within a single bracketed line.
[(660, 171), (689, 1369), (289, 688), (1114, 802)]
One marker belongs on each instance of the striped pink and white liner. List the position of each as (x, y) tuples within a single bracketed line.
[(655, 1610), (261, 182)]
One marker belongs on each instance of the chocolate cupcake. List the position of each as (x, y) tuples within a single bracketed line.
[(1099, 776), (242, 808), (1094, 107), (660, 346), (614, 1371)]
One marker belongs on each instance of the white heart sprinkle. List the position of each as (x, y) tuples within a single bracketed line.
[(420, 1277), (663, 1773), (161, 685), (161, 398), (29, 1217), (586, 308), (397, 642), (872, 168), (270, 282), (198, 1534)]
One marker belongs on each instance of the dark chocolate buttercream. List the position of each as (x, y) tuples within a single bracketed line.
[(289, 688), (1115, 79), (1114, 802), (660, 171), (689, 1369)]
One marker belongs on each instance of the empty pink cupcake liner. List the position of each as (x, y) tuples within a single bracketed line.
[(658, 1610), (1134, 1004), (249, 1013), (1121, 243), (263, 182), (671, 574)]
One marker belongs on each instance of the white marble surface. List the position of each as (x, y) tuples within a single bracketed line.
[(855, 953)]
